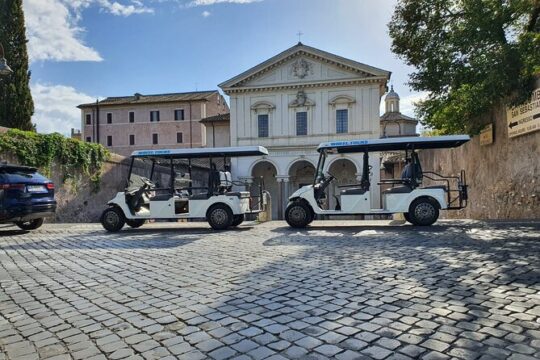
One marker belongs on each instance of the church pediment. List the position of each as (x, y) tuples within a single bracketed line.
[(303, 65)]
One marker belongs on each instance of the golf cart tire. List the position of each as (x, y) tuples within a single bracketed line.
[(135, 223), (30, 224), (299, 214), (407, 217), (220, 217), (423, 211), (237, 220), (113, 219)]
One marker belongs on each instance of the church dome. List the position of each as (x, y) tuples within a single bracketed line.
[(392, 95)]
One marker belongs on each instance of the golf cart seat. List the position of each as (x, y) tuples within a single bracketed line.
[(398, 190), (239, 194), (201, 196), (225, 181), (161, 197), (435, 187), (353, 191)]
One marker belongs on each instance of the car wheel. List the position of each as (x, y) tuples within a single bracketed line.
[(220, 217), (113, 219), (30, 224), (423, 212), (135, 223), (407, 217), (298, 214), (237, 220)]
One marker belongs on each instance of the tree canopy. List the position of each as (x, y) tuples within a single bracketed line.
[(16, 104), (469, 55)]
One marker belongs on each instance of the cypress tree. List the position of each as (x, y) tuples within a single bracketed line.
[(16, 104)]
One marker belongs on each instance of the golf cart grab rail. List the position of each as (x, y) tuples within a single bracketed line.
[(462, 193)]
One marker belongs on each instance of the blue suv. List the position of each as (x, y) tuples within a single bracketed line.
[(26, 197)]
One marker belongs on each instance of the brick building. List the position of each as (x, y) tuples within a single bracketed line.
[(138, 122)]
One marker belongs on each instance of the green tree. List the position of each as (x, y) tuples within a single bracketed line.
[(469, 55), (16, 105)]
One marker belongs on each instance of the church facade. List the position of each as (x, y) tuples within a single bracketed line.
[(290, 104)]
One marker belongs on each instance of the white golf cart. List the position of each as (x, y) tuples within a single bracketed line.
[(146, 198), (419, 204)]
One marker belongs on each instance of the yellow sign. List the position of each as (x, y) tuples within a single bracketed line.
[(486, 135), (524, 119)]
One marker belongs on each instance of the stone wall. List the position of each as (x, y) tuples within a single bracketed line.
[(503, 177)]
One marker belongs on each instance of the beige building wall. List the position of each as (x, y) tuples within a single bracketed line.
[(143, 130), (218, 135)]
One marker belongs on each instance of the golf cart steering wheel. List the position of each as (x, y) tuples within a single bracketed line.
[(147, 182), (326, 181)]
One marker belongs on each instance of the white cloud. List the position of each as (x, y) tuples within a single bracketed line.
[(56, 107), (407, 104), (53, 31), (213, 2), (116, 8), (206, 13)]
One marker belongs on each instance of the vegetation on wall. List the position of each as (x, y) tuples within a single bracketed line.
[(45, 150), (469, 55)]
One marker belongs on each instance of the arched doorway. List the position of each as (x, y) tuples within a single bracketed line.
[(300, 173), (345, 172), (264, 172)]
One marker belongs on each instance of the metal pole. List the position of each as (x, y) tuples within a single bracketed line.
[(190, 128), (4, 67), (97, 121)]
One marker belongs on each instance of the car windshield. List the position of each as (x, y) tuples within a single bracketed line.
[(21, 176)]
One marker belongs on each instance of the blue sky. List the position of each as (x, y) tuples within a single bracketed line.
[(83, 49)]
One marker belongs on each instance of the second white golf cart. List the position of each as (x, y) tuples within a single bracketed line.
[(165, 193), (419, 204)]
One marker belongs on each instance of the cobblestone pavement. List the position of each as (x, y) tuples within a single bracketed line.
[(460, 289)]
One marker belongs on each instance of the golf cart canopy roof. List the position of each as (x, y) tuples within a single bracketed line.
[(395, 144), (201, 152)]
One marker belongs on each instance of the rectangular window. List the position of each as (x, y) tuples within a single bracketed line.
[(179, 114), (131, 139), (88, 119), (342, 121), (109, 118), (88, 139), (131, 116), (109, 140), (262, 122), (154, 115), (301, 123), (155, 139), (179, 138)]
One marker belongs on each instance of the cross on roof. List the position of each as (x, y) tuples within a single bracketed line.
[(300, 33)]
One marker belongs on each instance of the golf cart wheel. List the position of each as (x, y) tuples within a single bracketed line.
[(113, 219), (298, 214), (237, 220), (219, 217), (423, 212), (135, 223), (407, 217), (30, 224)]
